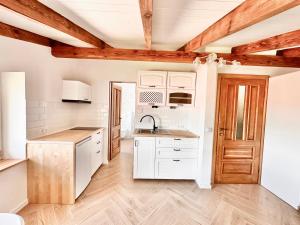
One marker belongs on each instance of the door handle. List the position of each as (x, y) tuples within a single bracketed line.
[(222, 130)]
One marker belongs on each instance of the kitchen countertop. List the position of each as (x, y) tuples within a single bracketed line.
[(165, 133), (69, 136)]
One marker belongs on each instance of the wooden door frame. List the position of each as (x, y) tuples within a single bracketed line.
[(215, 136), (111, 83)]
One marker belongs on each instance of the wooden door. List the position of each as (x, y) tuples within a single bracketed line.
[(240, 128), (115, 121)]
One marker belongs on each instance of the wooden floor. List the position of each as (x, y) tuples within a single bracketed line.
[(114, 198)]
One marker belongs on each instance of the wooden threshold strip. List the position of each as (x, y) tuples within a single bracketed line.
[(169, 56)]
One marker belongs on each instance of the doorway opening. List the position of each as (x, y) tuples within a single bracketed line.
[(121, 118)]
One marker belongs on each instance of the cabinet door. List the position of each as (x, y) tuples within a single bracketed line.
[(152, 79), (144, 157), (151, 97), (178, 97), (70, 90), (181, 80), (83, 165), (84, 92), (175, 168)]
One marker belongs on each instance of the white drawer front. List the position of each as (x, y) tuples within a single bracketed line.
[(177, 142), (175, 168), (180, 153)]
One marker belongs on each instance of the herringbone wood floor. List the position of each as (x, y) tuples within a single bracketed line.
[(114, 198)]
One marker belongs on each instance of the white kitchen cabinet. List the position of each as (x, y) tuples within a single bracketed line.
[(175, 168), (96, 151), (166, 142), (83, 165), (181, 80), (151, 97), (144, 157), (152, 79), (165, 158), (176, 153), (76, 91), (179, 97)]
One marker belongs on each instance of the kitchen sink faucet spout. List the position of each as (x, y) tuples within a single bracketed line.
[(154, 126)]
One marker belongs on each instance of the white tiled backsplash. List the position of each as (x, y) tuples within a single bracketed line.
[(95, 114), (165, 118), (45, 117)]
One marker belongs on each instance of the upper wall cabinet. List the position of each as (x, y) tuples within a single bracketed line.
[(183, 80), (76, 91), (152, 79)]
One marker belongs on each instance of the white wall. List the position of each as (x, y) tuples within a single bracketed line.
[(13, 188), (281, 161), (45, 111)]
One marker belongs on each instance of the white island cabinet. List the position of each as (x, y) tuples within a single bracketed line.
[(165, 157)]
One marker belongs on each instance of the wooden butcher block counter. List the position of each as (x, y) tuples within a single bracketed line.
[(52, 164)]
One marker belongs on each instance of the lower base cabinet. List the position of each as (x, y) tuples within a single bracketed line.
[(83, 167), (175, 168), (60, 170), (165, 158), (144, 156)]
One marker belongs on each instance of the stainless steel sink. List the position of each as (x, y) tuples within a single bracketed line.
[(148, 131), (85, 128)]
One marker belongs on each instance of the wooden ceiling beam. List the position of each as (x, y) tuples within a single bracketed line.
[(146, 8), (20, 34), (168, 56), (291, 52), (246, 14), (285, 40), (45, 15)]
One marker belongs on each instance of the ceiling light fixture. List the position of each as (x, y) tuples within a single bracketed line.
[(213, 57)]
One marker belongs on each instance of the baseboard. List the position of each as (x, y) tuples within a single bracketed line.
[(203, 186), (19, 207)]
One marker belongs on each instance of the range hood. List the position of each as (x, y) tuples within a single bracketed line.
[(76, 91)]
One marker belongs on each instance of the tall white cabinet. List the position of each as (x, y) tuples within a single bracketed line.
[(13, 115)]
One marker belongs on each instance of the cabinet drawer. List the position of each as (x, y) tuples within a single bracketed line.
[(176, 153), (98, 137), (177, 142), (175, 168)]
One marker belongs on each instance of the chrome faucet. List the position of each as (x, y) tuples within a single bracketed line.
[(154, 126)]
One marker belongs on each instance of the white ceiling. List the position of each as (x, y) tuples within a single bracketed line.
[(284, 22), (175, 22), (10, 17)]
